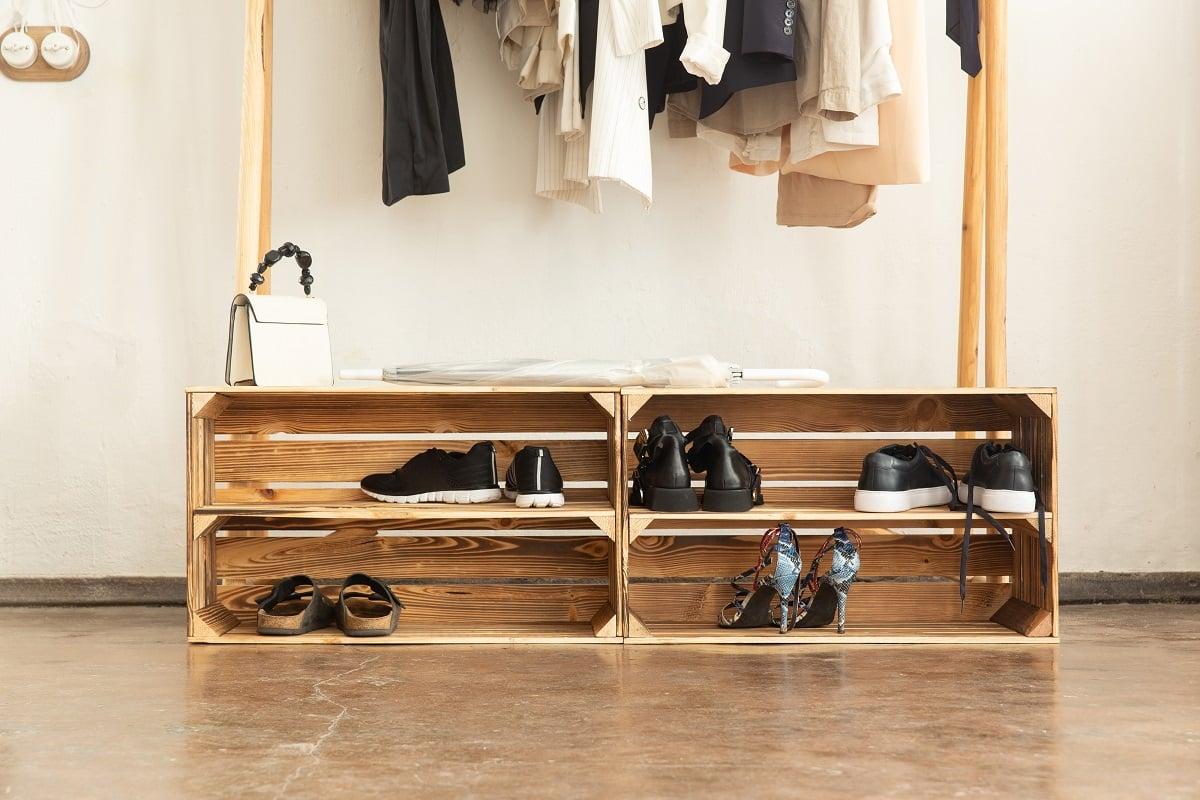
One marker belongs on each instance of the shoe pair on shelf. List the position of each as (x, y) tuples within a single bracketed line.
[(365, 607), (662, 480), (446, 476), (901, 477), (772, 593)]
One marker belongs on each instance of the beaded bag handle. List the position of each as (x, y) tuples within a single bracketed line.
[(285, 250)]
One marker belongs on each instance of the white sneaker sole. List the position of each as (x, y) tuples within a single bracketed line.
[(452, 496), (1002, 501), (891, 502), (536, 500)]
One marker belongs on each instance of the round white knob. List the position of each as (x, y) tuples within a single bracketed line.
[(18, 50), (59, 50)]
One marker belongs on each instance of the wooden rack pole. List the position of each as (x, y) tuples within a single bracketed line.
[(254, 172), (972, 234), (995, 36), (254, 175)]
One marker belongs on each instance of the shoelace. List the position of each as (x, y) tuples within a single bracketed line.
[(1043, 545), (950, 479)]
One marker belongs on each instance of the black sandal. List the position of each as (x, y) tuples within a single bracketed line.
[(373, 613), (287, 612)]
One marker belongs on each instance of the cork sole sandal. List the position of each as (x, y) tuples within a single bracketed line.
[(370, 613), (288, 612)]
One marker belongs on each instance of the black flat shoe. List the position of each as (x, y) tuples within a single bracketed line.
[(731, 482), (288, 612), (661, 480)]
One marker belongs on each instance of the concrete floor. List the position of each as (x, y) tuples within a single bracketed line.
[(110, 703)]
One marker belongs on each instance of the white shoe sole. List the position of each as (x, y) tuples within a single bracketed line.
[(1002, 501), (536, 500), (891, 502), (451, 496)]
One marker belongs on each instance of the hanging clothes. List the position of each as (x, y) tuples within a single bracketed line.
[(844, 71), (422, 133), (760, 36), (529, 45), (902, 156), (962, 26), (603, 135)]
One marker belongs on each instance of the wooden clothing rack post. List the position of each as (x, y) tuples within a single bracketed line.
[(985, 207), (254, 171), (985, 185)]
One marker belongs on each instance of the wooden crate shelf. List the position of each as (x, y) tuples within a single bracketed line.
[(272, 491), (810, 445)]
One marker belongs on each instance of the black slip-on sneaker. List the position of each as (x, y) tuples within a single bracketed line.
[(731, 482), (1000, 480), (900, 477), (661, 480), (533, 479), (439, 476)]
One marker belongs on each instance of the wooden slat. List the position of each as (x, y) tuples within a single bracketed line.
[(859, 634), (869, 603), (464, 607), (882, 555), (385, 516), (813, 510), (831, 459), (244, 496), (823, 412), (409, 412), (555, 634), (325, 558), (349, 460)]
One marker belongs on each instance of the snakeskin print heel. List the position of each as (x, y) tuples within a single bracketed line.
[(828, 594), (768, 600)]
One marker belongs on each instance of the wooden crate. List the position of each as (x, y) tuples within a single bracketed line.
[(810, 445), (273, 490)]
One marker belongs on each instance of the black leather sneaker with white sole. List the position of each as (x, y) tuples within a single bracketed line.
[(1000, 480), (533, 479), (439, 476), (900, 477)]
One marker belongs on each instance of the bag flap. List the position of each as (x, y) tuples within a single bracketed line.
[(290, 310)]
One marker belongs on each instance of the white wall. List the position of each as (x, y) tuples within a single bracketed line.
[(117, 201)]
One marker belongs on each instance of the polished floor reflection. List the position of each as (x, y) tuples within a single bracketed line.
[(111, 703)]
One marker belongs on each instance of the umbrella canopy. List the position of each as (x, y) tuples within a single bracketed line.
[(701, 371)]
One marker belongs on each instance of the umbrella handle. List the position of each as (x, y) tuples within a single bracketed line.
[(817, 377), (361, 374)]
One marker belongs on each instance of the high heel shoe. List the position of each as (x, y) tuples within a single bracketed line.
[(754, 606), (828, 594)]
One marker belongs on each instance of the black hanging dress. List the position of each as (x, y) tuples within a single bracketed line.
[(422, 134)]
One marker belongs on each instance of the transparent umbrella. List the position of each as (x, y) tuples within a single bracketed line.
[(702, 371)]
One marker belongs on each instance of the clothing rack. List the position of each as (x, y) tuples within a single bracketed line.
[(984, 250)]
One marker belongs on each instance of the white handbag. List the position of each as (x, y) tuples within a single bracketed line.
[(279, 341)]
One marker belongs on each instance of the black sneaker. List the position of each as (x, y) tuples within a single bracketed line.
[(438, 476), (900, 477), (661, 481), (731, 482), (1001, 480), (533, 479)]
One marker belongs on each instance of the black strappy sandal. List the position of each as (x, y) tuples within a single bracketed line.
[(287, 612), (754, 606), (373, 613)]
